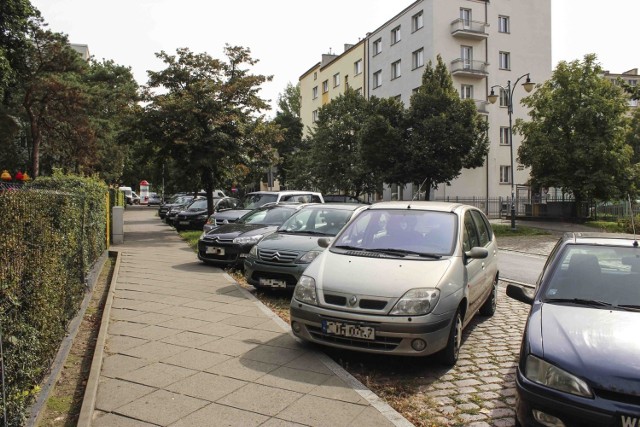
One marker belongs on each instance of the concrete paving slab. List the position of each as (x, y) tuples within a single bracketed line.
[(206, 386), (158, 374), (162, 407), (224, 416), (114, 393), (319, 411), (261, 399)]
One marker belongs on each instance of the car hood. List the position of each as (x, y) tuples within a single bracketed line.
[(230, 231), (290, 242), (597, 344), (374, 276), (231, 214), (193, 213)]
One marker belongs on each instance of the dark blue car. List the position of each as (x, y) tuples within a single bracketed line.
[(580, 356)]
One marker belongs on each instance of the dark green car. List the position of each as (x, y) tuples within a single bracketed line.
[(279, 259)]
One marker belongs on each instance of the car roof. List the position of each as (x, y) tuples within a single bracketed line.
[(420, 205), (285, 192), (337, 206), (599, 238)]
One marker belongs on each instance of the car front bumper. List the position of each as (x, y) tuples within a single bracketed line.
[(273, 276), (228, 255), (571, 410), (393, 334)]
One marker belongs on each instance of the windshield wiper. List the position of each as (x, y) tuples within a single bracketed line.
[(352, 248), (404, 252), (630, 307), (582, 301)]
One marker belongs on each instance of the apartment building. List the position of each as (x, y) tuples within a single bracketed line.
[(629, 77), (330, 78), (487, 44)]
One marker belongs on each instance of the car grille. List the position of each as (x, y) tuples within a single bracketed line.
[(273, 255), (216, 239), (380, 343), (617, 396), (365, 303), (222, 221)]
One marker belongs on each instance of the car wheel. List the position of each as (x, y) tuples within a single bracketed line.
[(449, 355), (489, 306)]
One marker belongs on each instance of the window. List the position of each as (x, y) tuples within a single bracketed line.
[(417, 21), (417, 59), (503, 24), (314, 116), (395, 70), (357, 67), (377, 46), (504, 136), (346, 81), (470, 234), (466, 53), (395, 35), (465, 17), (633, 82), (505, 174), (466, 91), (484, 229), (504, 98), (505, 61), (315, 92), (377, 79), (315, 75), (325, 86), (336, 80)]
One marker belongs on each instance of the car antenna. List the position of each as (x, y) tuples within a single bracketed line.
[(419, 188), (633, 225)]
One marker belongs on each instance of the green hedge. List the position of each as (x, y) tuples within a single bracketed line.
[(51, 232)]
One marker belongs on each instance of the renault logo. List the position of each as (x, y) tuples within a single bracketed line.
[(353, 300)]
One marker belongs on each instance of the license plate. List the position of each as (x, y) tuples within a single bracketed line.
[(214, 250), (273, 283), (628, 421), (348, 330), (184, 222)]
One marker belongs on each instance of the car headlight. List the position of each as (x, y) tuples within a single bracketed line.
[(204, 233), (309, 256), (541, 372), (200, 217), (250, 240), (416, 302), (306, 290), (254, 251)]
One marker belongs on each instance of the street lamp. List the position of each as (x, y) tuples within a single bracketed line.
[(528, 86)]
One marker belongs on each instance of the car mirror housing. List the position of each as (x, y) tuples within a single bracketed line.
[(519, 293), (477, 253), (324, 242)]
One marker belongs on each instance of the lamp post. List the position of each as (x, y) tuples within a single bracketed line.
[(528, 86)]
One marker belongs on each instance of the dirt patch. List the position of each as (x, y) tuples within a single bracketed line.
[(65, 401)]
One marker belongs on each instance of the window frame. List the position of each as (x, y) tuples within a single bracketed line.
[(357, 67), (314, 116), (504, 24), (396, 69), (504, 60), (377, 46), (396, 35), (314, 92), (336, 80), (325, 86), (505, 136), (505, 169), (417, 21), (415, 55), (464, 90), (504, 98), (377, 79)]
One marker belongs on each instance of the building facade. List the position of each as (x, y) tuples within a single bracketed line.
[(629, 77), (487, 44)]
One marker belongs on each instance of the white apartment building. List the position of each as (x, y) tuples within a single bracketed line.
[(486, 44), (629, 77)]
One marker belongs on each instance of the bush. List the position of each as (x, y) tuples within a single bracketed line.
[(53, 230)]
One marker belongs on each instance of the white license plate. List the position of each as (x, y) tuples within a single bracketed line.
[(215, 251), (628, 421), (348, 330), (273, 283), (184, 222)]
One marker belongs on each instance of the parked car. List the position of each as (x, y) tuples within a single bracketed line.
[(340, 198), (177, 200), (174, 210), (196, 214), (402, 278), (279, 259), (580, 353), (228, 244), (154, 199), (135, 199), (260, 198)]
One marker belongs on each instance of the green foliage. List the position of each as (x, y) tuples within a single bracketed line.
[(53, 230), (575, 139), (505, 230), (622, 225)]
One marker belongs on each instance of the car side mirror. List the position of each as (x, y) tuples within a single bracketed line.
[(324, 242), (477, 253), (519, 293)]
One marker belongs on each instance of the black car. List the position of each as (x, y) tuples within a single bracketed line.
[(178, 200), (229, 244), (580, 355), (196, 214)]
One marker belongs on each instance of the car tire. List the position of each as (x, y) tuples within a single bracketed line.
[(489, 306), (449, 356)]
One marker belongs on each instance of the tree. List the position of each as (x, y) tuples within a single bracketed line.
[(288, 118), (446, 133), (204, 114), (575, 139)]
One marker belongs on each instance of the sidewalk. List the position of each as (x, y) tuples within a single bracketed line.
[(183, 345)]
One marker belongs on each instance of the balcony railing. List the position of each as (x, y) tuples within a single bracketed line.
[(468, 68), (481, 106), (469, 29)]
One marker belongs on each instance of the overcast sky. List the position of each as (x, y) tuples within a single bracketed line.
[(289, 36)]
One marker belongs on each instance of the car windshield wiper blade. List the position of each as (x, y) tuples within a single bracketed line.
[(630, 307), (352, 248), (582, 301), (404, 252)]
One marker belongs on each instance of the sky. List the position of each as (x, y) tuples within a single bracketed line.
[(288, 37)]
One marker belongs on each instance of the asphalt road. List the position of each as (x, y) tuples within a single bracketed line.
[(520, 267)]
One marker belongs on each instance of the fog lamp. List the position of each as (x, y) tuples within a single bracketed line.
[(296, 327), (546, 419), (418, 345)]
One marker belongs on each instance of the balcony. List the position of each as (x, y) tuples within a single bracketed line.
[(466, 29), (481, 106), (466, 68)]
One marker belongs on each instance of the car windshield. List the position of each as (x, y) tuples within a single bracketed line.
[(198, 205), (597, 275), (267, 216), (323, 221), (253, 201), (401, 231)]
